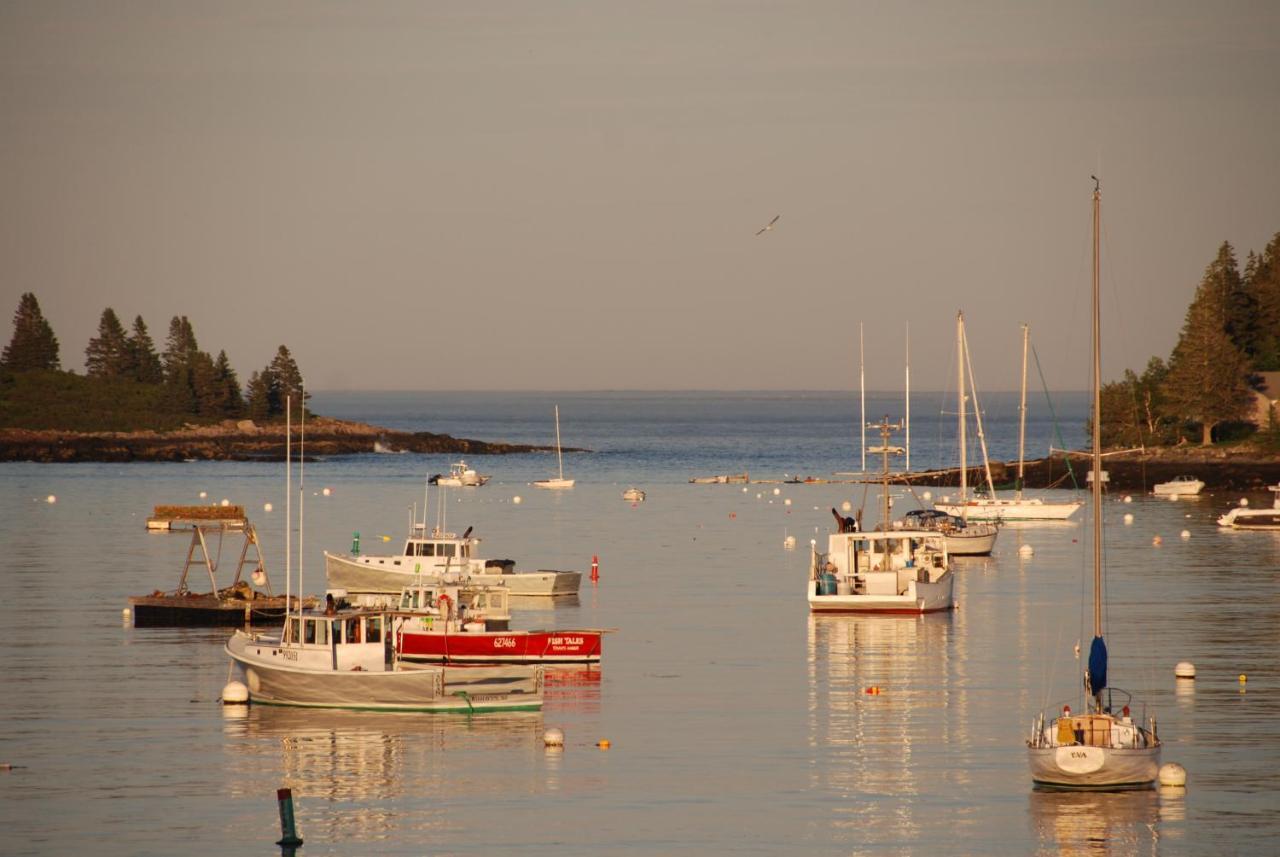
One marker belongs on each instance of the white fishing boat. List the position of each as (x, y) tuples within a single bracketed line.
[(1019, 507), (894, 570), (345, 659), (1104, 746), (633, 495), (461, 476), (435, 555), (1244, 518), (559, 482), (1181, 486)]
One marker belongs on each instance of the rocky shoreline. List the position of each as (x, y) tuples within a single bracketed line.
[(235, 441), (1220, 469)]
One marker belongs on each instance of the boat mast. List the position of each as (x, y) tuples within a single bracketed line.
[(1022, 411), (977, 418), (1097, 420), (288, 515), (862, 388), (907, 421), (964, 472), (559, 457), (302, 478)]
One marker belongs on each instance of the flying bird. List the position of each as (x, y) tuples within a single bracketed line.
[(768, 226)]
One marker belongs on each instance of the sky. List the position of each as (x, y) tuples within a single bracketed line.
[(565, 196)]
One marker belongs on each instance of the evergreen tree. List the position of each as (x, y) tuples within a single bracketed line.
[(144, 363), (33, 345), (205, 389), (1133, 410), (1238, 309), (286, 381), (1208, 378), (179, 365), (1262, 282), (227, 400), (258, 396), (107, 355)]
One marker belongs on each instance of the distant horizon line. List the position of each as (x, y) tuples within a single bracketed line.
[(682, 390)]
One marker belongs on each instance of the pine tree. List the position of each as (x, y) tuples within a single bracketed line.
[(1207, 382), (33, 345), (286, 382), (1239, 321), (108, 355), (1262, 281), (227, 399), (179, 365), (258, 396), (144, 363)]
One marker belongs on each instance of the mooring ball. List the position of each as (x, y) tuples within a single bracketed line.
[(553, 737), (517, 500), (235, 693), (1026, 550), (1185, 669), (846, 506), (1173, 774), (1128, 518)]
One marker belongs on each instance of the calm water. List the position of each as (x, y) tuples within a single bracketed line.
[(738, 722)]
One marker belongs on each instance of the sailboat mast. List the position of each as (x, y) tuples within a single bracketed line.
[(977, 418), (964, 469), (288, 514), (559, 457), (1097, 420), (1022, 411), (862, 388), (302, 479)]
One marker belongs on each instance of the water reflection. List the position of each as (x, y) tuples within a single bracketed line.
[(1092, 823), (350, 770), (880, 695)]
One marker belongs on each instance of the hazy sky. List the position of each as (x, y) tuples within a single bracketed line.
[(565, 195)]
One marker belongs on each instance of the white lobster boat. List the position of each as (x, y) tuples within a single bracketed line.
[(346, 660), (1244, 518), (1181, 486), (461, 476), (435, 555)]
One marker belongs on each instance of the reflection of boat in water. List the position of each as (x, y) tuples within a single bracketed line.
[(1068, 823), (882, 691)]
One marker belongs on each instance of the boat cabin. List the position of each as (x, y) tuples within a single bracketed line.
[(353, 640), (879, 562)]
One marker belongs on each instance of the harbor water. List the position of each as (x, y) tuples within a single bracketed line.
[(736, 722)]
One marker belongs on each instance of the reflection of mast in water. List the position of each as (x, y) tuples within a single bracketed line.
[(1091, 823), (352, 767), (866, 747)]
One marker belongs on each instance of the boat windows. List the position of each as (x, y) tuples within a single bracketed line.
[(309, 631), (291, 632), (315, 632), (374, 634), (352, 631), (428, 549), (446, 550)]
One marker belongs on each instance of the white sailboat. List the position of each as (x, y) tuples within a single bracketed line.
[(1019, 508), (977, 537), (1104, 747), (560, 481)]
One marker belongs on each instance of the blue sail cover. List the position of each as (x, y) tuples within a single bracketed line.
[(1097, 666)]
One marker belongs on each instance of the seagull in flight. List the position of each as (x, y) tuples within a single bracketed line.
[(768, 226)]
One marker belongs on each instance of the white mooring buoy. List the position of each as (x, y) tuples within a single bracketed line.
[(1185, 669), (1128, 518), (124, 614), (1244, 501), (1026, 550), (517, 500), (1173, 774), (928, 495), (267, 507), (1128, 499), (553, 737), (51, 499), (1186, 534), (846, 506), (235, 693)]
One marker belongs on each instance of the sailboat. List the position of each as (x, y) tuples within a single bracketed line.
[(560, 481), (964, 537), (993, 508), (1104, 747)]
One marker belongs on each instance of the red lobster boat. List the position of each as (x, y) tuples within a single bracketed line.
[(470, 625)]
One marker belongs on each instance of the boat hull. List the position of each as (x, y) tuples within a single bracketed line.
[(514, 647), (1178, 489), (1258, 519), (554, 484), (272, 681), (1010, 510), (971, 544), (342, 572), (920, 597), (1096, 768), (206, 611)]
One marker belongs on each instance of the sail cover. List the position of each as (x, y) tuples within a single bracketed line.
[(1097, 666)]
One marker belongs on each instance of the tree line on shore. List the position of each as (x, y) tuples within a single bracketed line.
[(127, 384), (1230, 335)]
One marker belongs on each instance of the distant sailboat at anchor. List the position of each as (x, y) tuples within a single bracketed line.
[(559, 482)]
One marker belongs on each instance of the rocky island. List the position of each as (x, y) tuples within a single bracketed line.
[(234, 440)]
